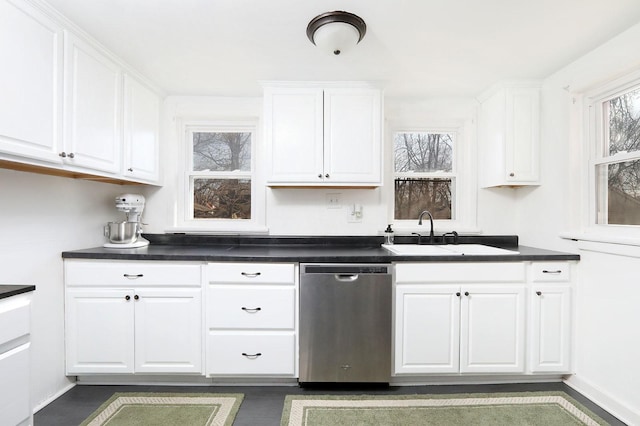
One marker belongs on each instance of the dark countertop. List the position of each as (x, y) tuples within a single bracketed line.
[(170, 247), (13, 290)]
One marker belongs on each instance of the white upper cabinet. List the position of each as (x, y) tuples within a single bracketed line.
[(93, 87), (323, 136), (141, 130), (30, 82), (509, 136)]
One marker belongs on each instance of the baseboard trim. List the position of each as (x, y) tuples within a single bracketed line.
[(472, 380), (604, 400), (53, 397)]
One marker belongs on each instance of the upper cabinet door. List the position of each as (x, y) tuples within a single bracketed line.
[(30, 82), (141, 131), (352, 135), (509, 137), (293, 127), (93, 86)]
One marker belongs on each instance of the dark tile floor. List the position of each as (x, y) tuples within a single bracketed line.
[(262, 405)]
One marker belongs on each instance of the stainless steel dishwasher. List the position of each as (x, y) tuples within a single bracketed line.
[(345, 323)]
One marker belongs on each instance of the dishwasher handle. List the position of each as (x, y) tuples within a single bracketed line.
[(346, 278)]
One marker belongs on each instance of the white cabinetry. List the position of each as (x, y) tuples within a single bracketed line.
[(550, 318), (93, 87), (133, 317), (31, 46), (460, 318), (251, 319), (323, 136), (141, 131), (15, 330), (509, 136)]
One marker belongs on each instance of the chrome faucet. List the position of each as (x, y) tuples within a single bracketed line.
[(431, 236)]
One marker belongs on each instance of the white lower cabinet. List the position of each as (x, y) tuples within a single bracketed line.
[(15, 332), (138, 328), (459, 318), (252, 319), (550, 318)]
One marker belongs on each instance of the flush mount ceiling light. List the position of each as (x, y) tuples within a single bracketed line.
[(336, 32)]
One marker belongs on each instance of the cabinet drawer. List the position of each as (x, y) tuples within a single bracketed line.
[(14, 321), (251, 354), (251, 307), (551, 272), (251, 273), (455, 272), (88, 273)]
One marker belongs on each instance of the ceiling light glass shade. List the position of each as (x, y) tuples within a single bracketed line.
[(336, 32), (336, 37)]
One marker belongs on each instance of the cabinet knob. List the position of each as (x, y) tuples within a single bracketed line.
[(127, 297), (320, 175), (466, 293), (251, 356), (130, 169), (539, 293), (458, 294), (63, 154), (327, 175), (136, 297), (71, 155), (512, 174)]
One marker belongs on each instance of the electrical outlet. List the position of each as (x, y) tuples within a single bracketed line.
[(355, 213), (333, 201)]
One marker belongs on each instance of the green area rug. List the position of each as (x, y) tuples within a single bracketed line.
[(147, 409), (499, 409)]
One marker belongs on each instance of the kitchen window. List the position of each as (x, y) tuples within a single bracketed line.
[(424, 174), (219, 178), (616, 158)]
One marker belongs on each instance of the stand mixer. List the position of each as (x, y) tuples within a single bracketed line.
[(127, 234)]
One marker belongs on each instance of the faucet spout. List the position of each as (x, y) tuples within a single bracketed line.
[(428, 213)]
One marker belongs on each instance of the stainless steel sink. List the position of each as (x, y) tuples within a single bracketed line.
[(447, 250)]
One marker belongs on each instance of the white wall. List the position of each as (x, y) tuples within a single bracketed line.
[(607, 344), (40, 217)]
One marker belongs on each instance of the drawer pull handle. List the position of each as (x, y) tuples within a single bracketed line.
[(250, 274), (539, 293), (251, 356), (251, 310), (133, 276), (557, 271)]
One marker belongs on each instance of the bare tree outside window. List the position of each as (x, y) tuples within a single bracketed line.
[(622, 178), (221, 174), (424, 179)]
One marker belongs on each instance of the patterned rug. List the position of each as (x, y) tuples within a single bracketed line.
[(525, 409), (147, 409)]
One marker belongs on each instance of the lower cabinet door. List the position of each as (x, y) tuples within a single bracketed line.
[(271, 354), (492, 331), (427, 329), (168, 325), (550, 329), (99, 331), (15, 406)]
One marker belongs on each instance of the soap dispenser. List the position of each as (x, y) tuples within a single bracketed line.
[(388, 235)]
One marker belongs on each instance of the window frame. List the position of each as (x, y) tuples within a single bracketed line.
[(597, 138), (184, 212), (463, 175)]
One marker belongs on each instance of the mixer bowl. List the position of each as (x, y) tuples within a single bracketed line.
[(122, 232)]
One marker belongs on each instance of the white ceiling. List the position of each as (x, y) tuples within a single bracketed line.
[(419, 48)]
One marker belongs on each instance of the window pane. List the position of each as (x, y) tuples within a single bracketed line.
[(423, 152), (620, 184), (221, 151), (412, 196), (222, 199), (624, 122)]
